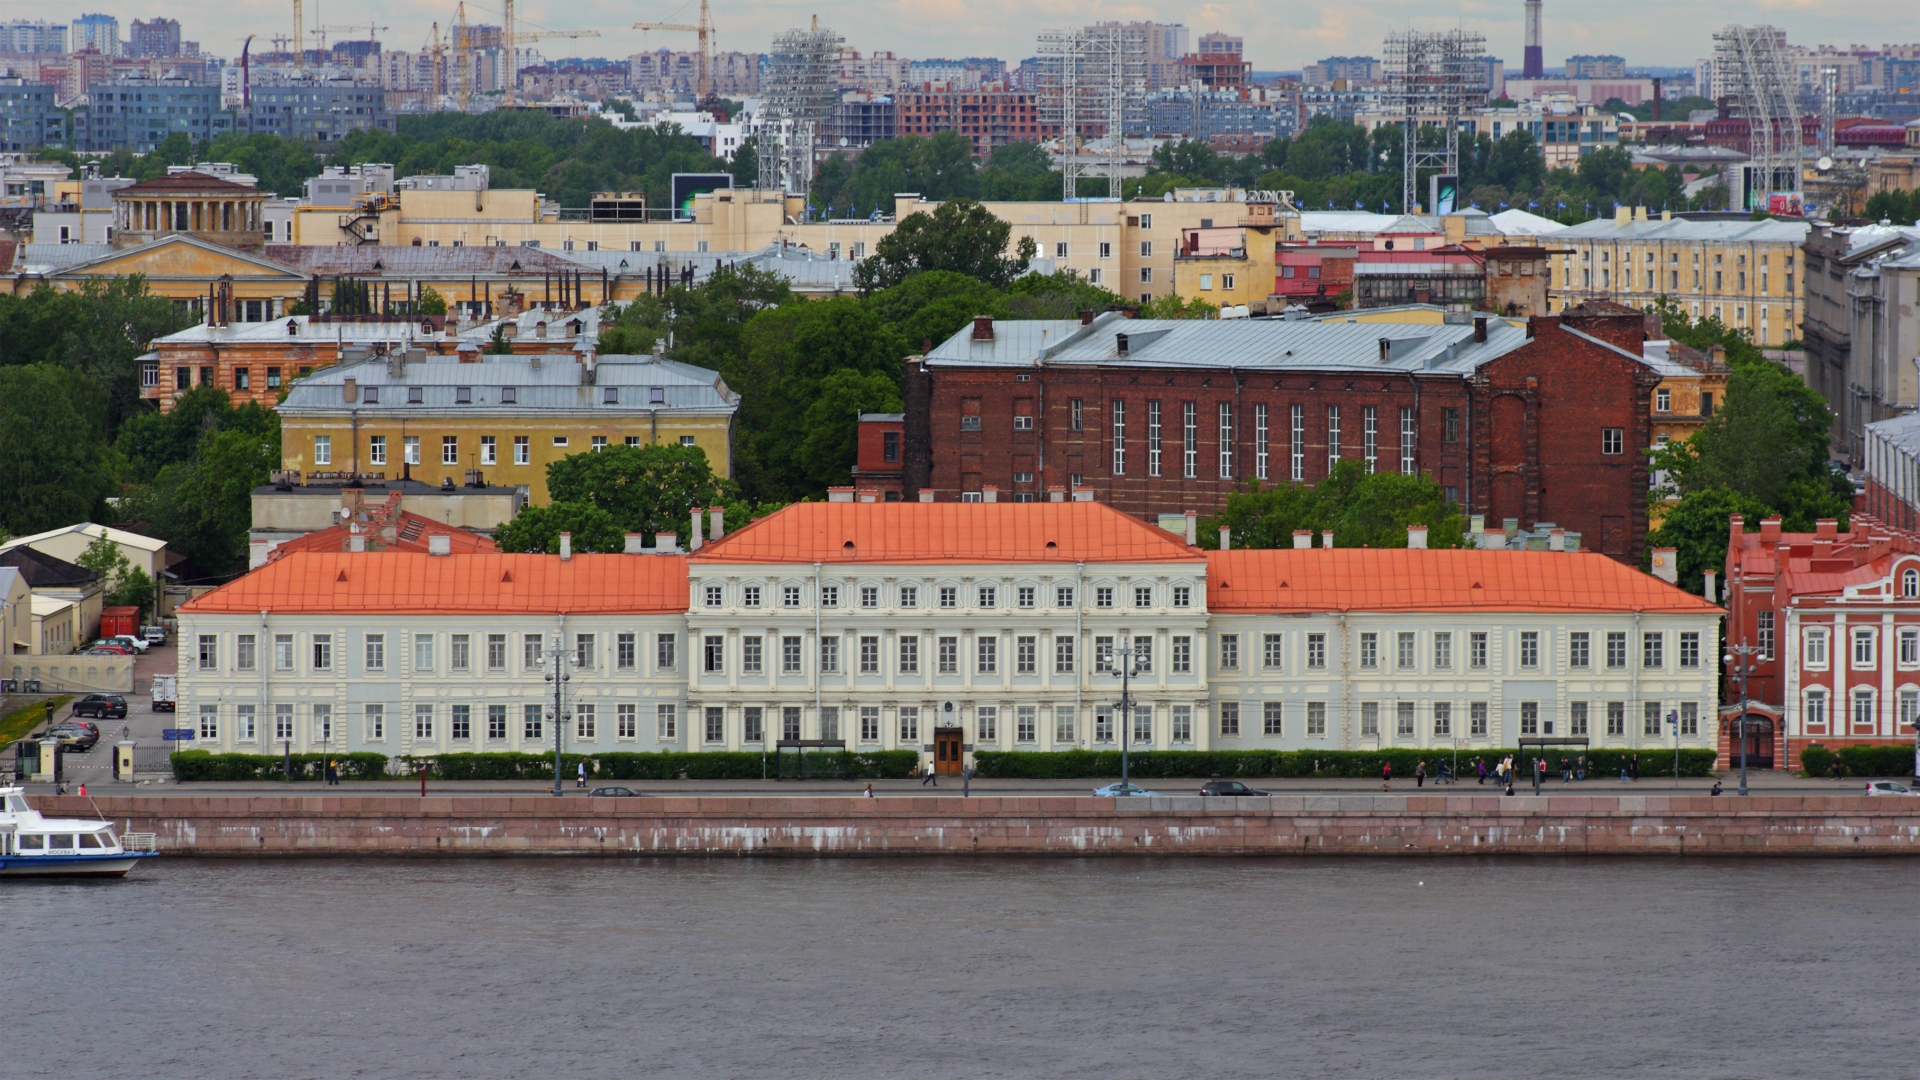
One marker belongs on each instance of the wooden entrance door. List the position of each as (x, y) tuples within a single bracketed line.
[(946, 751)]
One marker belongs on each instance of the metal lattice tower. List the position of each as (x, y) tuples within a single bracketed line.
[(1432, 79), (1094, 75), (1751, 67), (799, 91)]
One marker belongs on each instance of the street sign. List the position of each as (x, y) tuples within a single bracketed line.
[(176, 734)]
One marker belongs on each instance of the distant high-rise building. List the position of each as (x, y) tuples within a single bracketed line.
[(101, 33), (1596, 67), (1164, 44), (1533, 65), (154, 37), (1356, 70), (21, 36)]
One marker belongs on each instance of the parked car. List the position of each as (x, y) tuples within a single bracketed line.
[(137, 644), (1887, 787), (1123, 790), (612, 793), (155, 635), (104, 706), (78, 738), (1227, 787), (108, 645)]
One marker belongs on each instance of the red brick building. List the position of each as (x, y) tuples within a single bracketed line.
[(1542, 422), (989, 117)]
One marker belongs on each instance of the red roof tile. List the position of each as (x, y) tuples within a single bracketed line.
[(410, 534), (408, 583), (1370, 579), (948, 532)]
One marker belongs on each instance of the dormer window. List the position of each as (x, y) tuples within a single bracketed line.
[(416, 395), (370, 395), (657, 395), (1910, 584), (463, 395), (509, 395), (610, 395)]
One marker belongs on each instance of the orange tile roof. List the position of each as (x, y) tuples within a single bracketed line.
[(408, 583), (1373, 579), (948, 532), (411, 532)]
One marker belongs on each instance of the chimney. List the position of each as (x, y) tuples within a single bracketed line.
[(1226, 538), (1622, 216), (1083, 494), (1712, 591), (1086, 316), (1302, 539), (666, 543), (1827, 527), (1770, 529), (867, 495), (1416, 537), (350, 391), (1556, 539), (1480, 329), (1193, 528), (636, 544), (566, 546), (716, 522), (1386, 349), (442, 544), (1478, 525), (1666, 564), (1120, 344), (926, 495), (989, 493), (1057, 493), (983, 328), (693, 538), (839, 494), (1326, 538), (356, 540)]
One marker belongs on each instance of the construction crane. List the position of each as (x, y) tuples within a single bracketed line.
[(439, 70), (462, 58), (299, 38), (511, 37), (704, 28)]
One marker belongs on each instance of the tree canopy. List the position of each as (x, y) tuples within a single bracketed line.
[(1362, 509), (960, 235)]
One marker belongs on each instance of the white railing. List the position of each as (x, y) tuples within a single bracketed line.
[(139, 841)]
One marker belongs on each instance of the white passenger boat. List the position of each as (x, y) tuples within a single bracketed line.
[(36, 846)]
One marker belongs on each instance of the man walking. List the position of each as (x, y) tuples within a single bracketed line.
[(931, 777)]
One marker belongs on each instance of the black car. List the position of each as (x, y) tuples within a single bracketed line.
[(613, 793), (104, 706), (1227, 787)]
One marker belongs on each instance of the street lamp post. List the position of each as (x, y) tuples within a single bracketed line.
[(1673, 722), (1740, 660), (557, 660), (1125, 658)]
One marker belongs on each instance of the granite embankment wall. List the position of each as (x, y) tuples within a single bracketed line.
[(1283, 825)]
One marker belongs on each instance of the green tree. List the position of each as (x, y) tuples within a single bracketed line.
[(152, 440), (830, 442), (537, 529), (430, 301), (934, 305), (1170, 306), (1696, 527), (54, 468), (203, 507), (99, 330), (1362, 509), (746, 163), (960, 235), (125, 584), (644, 489)]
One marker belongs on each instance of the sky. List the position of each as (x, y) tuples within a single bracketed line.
[(1280, 34)]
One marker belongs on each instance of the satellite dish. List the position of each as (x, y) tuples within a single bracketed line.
[(1824, 163)]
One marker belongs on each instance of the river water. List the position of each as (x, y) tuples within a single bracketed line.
[(965, 968)]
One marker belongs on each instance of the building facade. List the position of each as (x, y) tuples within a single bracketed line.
[(316, 110), (137, 114), (1862, 326), (29, 117)]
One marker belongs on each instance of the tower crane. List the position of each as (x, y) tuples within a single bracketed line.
[(462, 57), (439, 71), (704, 28), (511, 38), (299, 38)]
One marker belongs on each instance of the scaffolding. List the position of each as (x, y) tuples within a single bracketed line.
[(799, 91), (1092, 77), (1752, 68), (1433, 78)]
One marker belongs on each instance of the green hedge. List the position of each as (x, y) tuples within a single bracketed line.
[(1361, 764), (1880, 761), (189, 765), (665, 765)]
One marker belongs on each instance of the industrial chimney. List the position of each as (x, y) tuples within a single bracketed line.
[(1533, 66)]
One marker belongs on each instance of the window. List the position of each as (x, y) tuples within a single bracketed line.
[(829, 596), (624, 651), (790, 596), (1119, 438), (1260, 441), (560, 441), (1229, 652), (1103, 596), (988, 596), (1764, 623), (1369, 719), (1230, 719), (1529, 718), (323, 449), (1143, 724), (666, 652), (1663, 400), (243, 652), (1020, 423), (869, 723), (1443, 719), (1369, 650), (714, 730), (1182, 661), (376, 652), (715, 595), (1063, 656), (1076, 418), (423, 721), (1182, 596), (1650, 718), (909, 724), (666, 722), (970, 422), (626, 721), (1909, 647), (949, 596), (1271, 647), (986, 723), (1452, 420), (1910, 583), (988, 655), (1317, 719), (829, 723), (790, 655), (1146, 276), (1443, 650), (1577, 718), (870, 654), (1909, 707), (1409, 438), (1653, 650), (1026, 652), (1689, 718), (1612, 440), (449, 450), (829, 655), (1616, 649), (715, 655), (1024, 596), (750, 654), (1477, 720), (1403, 650), (1226, 282), (522, 450), (1333, 436), (1317, 651), (1026, 724), (323, 652), (1580, 650), (1529, 648), (1226, 441), (1863, 649), (948, 655), (1298, 444), (460, 722), (1153, 438), (377, 450), (1403, 719), (1142, 654), (1617, 718), (1369, 435), (585, 656), (1063, 596), (1143, 596)]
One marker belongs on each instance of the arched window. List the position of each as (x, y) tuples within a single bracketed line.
[(1910, 583)]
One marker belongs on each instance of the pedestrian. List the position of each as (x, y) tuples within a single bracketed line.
[(1716, 788), (1580, 771), (83, 787), (580, 775), (931, 777), (869, 790), (1480, 767), (1386, 776), (1566, 770), (1636, 766), (1420, 775)]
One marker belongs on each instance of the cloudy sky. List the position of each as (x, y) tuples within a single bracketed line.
[(1280, 34)]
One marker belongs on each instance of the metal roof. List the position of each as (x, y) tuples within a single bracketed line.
[(549, 382), (386, 331), (1680, 229), (807, 271), (336, 260), (39, 259)]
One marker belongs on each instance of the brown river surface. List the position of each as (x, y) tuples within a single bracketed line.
[(1116, 967)]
